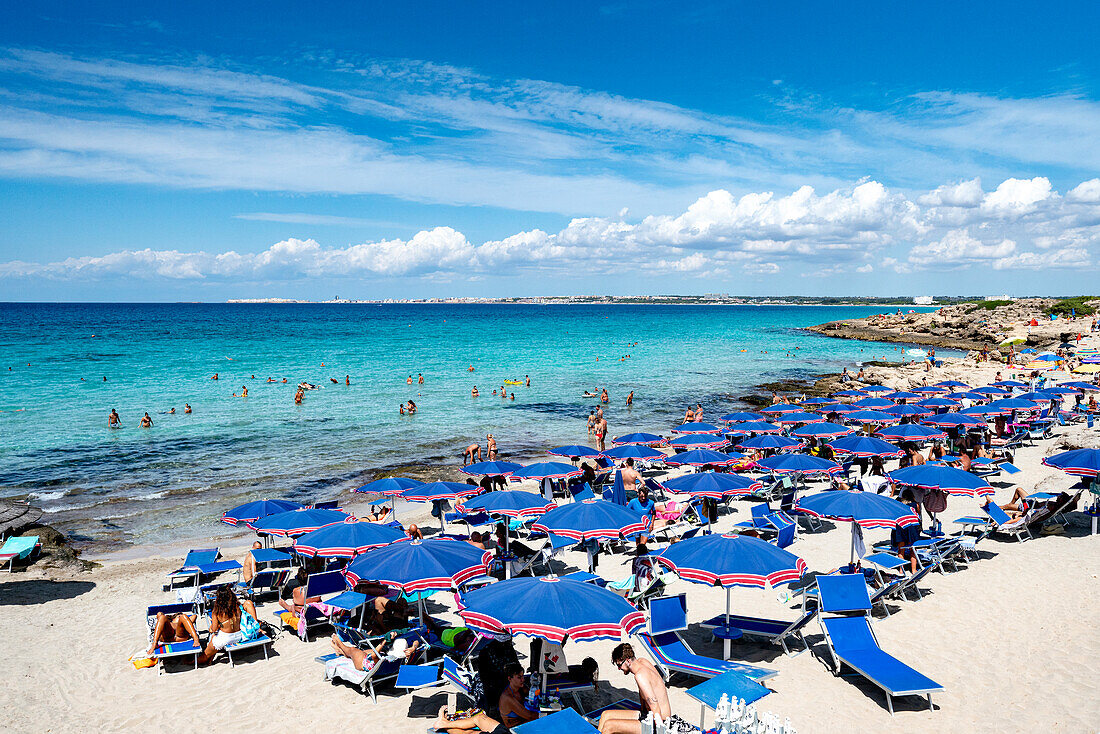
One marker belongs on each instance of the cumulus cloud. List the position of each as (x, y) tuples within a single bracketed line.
[(1019, 225)]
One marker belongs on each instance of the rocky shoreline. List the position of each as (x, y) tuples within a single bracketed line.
[(991, 326)]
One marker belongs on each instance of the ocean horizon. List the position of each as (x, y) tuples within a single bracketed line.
[(132, 486)]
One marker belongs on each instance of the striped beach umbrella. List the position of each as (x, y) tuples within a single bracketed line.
[(741, 417), (911, 432), (788, 419), (297, 522), (437, 564), (1079, 462), (866, 509), (865, 446), (250, 512), (754, 427), (490, 468), (508, 503), (696, 427), (871, 416), (591, 520), (436, 491), (766, 442), (704, 457), (347, 539), (946, 478), (576, 450), (633, 451), (822, 430), (547, 470), (698, 441), (799, 464), (389, 486), (712, 484), (640, 439)]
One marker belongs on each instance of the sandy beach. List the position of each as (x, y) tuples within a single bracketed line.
[(1011, 637)]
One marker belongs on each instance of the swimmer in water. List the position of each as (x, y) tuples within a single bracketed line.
[(409, 381), (113, 421), (474, 392), (419, 379), (527, 380), (284, 379), (146, 421), (471, 368), (244, 392), (347, 379), (630, 398), (298, 396), (334, 381), (401, 409), (187, 407), (212, 378), (172, 411)]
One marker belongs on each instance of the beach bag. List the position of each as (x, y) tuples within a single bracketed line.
[(250, 627), (553, 658), (935, 501)]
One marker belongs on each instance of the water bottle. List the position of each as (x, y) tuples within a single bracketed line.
[(532, 702)]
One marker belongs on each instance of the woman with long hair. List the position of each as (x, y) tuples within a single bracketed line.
[(225, 622)]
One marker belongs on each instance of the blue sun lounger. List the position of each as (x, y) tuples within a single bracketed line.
[(852, 642), (774, 630), (174, 650), (670, 654), (566, 721)]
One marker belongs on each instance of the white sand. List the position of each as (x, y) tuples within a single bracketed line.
[(1013, 639)]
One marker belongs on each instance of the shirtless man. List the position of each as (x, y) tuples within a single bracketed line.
[(250, 562), (601, 433), (469, 452), (630, 398), (113, 421), (347, 379), (146, 421), (491, 447), (651, 692), (419, 378), (631, 477)]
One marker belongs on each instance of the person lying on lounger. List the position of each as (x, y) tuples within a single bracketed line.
[(292, 597), (365, 660), (174, 628), (1019, 505), (479, 721), (225, 622)]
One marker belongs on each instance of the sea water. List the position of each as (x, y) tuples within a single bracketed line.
[(111, 487)]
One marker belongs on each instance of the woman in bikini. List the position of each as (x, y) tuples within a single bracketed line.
[(225, 623), (174, 628)]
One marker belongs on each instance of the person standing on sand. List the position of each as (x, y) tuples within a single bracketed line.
[(113, 421)]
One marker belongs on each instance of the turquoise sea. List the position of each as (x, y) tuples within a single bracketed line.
[(110, 488)]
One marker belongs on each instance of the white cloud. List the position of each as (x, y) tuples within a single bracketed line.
[(1015, 197), (1086, 191), (957, 248), (965, 194)]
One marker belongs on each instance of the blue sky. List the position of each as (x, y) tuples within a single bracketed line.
[(190, 152)]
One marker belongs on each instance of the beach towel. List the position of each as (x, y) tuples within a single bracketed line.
[(250, 627), (321, 607)]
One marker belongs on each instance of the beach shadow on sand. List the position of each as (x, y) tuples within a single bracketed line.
[(40, 591)]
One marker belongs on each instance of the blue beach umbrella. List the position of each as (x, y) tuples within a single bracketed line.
[(864, 446), (633, 451), (911, 432), (550, 608), (420, 565), (1079, 385), (251, 511), (575, 450), (1048, 358), (953, 383), (788, 419), (765, 442), (877, 389), (902, 410), (981, 410), (712, 484), (848, 394), (930, 390), (938, 403), (346, 539), (741, 417), (640, 439), (491, 468), (729, 561), (902, 395), (754, 427), (967, 395), (1036, 395), (509, 503), (297, 522), (814, 401), (547, 470), (436, 491), (698, 441), (1009, 383), (866, 509), (1010, 404), (874, 403), (1060, 390), (1079, 462), (591, 520), (1029, 350), (822, 430), (703, 457), (799, 463), (389, 486), (618, 489), (696, 427), (780, 408), (871, 416), (946, 478), (954, 419), (990, 391)]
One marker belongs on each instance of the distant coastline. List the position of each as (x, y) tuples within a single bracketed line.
[(670, 300)]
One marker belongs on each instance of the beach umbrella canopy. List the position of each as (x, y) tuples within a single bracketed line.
[(1010, 404), (1035, 395), (946, 478), (911, 432), (347, 539), (741, 417), (902, 410), (838, 408), (877, 388), (848, 394), (754, 427), (822, 430), (967, 395), (866, 509), (633, 451), (902, 395), (732, 560), (550, 608), (865, 446), (769, 442), (420, 565), (1009, 383), (1087, 369), (953, 383), (251, 511), (712, 484), (1086, 386), (1040, 365), (575, 450), (1029, 350), (547, 470), (871, 416), (799, 463), (1060, 390), (697, 441), (703, 457), (591, 520), (509, 503), (788, 419), (874, 403), (297, 522), (1048, 358), (981, 410), (641, 439), (938, 403), (814, 401), (780, 408), (696, 427), (434, 491), (954, 419), (389, 486), (1079, 462), (491, 468), (990, 390), (930, 390)]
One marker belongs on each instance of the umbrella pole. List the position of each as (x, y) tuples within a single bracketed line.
[(507, 563), (726, 641)]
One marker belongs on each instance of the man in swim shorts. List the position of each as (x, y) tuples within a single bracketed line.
[(651, 691)]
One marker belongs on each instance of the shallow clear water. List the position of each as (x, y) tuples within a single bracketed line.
[(110, 487)]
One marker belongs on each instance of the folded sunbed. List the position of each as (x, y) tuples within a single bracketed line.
[(18, 548)]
